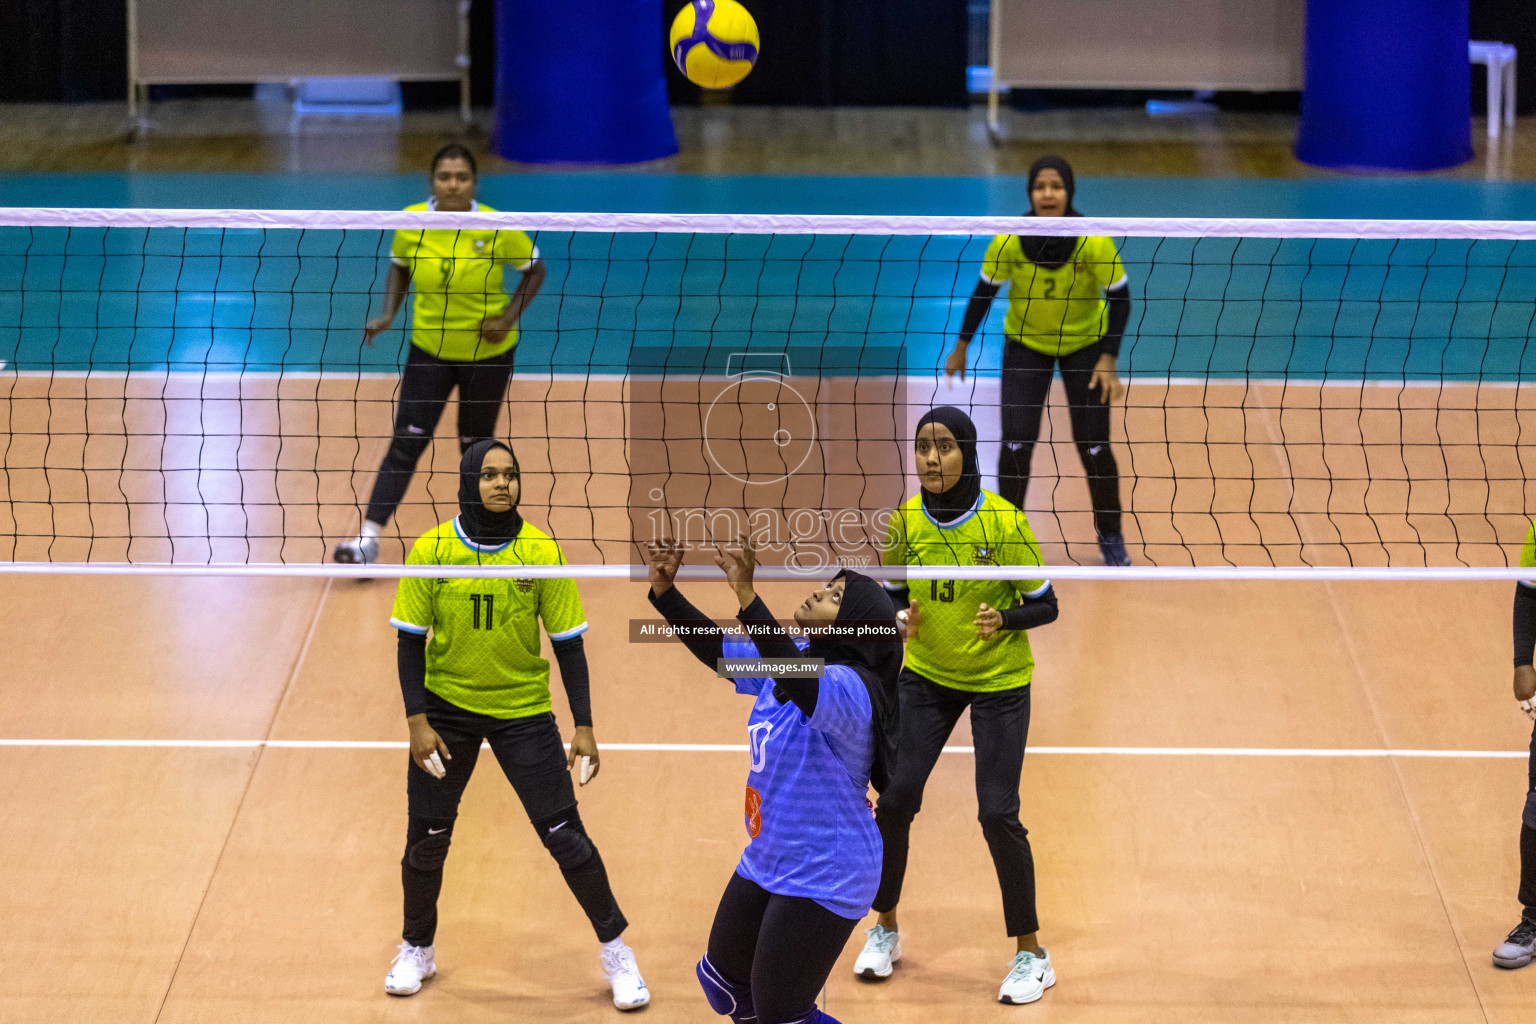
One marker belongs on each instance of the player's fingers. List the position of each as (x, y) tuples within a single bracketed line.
[(434, 766)]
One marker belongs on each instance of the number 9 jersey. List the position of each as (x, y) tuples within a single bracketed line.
[(946, 648), (484, 652)]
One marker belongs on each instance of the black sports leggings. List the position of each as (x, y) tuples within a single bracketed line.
[(1528, 840), (782, 947), (425, 384), (1000, 730), (1026, 383), (533, 759)]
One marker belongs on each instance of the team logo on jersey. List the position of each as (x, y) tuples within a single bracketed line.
[(523, 586), (1080, 266), (479, 243), (757, 742), (754, 812), (983, 556)]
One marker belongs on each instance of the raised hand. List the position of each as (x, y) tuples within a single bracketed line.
[(665, 557), (739, 563)]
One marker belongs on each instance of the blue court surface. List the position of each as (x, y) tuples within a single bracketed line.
[(286, 301)]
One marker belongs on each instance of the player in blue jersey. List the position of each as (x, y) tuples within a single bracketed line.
[(812, 865)]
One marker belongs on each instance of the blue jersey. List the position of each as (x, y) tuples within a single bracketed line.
[(812, 833)]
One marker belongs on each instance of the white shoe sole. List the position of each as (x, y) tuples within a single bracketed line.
[(1050, 979), (870, 974), (410, 991), (1515, 964), (632, 1007)]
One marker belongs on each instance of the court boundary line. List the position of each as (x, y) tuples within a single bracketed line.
[(742, 748)]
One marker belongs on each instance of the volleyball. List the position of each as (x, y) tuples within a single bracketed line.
[(714, 42)]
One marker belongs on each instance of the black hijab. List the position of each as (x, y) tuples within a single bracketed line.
[(1050, 252), (480, 524), (947, 506), (875, 659)]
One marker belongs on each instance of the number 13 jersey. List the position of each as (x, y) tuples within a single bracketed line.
[(484, 653), (946, 649)]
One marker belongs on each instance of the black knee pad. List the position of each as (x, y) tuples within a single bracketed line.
[(406, 449), (566, 840), (1015, 457), (1098, 459), (426, 845)]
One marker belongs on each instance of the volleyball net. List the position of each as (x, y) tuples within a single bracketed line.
[(190, 389)]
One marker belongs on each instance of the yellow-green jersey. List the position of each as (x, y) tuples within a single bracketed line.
[(1528, 553), (946, 648), (484, 651), (1056, 312), (458, 276)]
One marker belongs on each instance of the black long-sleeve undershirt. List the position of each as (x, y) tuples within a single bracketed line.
[(570, 654), (411, 659), (1119, 302), (706, 641), (1027, 614), (976, 309), (1032, 612), (1525, 623)]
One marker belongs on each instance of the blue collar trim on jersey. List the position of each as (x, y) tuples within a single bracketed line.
[(483, 548), (953, 522)]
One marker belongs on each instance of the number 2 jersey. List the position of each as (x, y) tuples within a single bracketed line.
[(811, 831), (484, 653), (946, 648)]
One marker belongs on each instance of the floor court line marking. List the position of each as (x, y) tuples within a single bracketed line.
[(741, 748)]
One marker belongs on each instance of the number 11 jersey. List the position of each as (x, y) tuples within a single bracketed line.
[(484, 653)]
